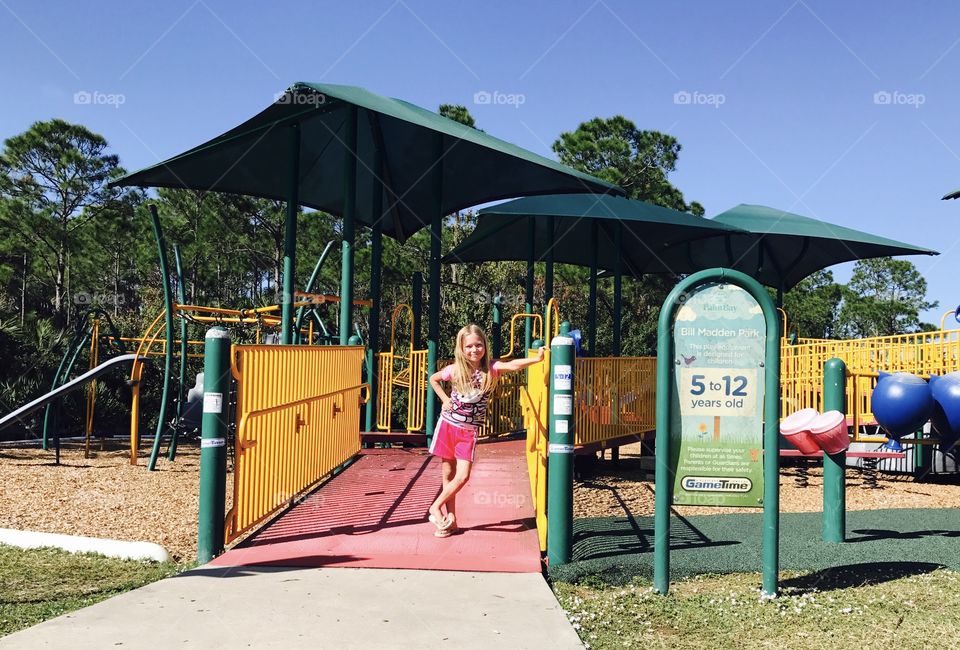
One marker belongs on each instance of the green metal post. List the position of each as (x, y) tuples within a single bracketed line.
[(560, 458), (592, 303), (496, 338), (433, 325), (548, 273), (528, 288), (290, 240), (416, 306), (182, 380), (349, 228), (376, 259), (168, 329), (213, 443), (617, 289), (834, 465)]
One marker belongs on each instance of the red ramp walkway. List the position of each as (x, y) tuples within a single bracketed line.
[(374, 515)]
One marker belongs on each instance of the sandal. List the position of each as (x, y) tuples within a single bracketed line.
[(442, 524), (446, 532)]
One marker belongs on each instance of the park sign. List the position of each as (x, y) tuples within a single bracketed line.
[(716, 428), (718, 408)]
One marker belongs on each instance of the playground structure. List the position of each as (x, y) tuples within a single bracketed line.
[(296, 414)]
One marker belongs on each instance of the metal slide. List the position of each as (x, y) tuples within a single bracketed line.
[(68, 387)]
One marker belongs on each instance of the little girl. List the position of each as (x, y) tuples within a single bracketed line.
[(473, 377)]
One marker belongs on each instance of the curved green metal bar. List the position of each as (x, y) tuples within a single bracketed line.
[(168, 323), (309, 288), (78, 342), (182, 299), (49, 417), (81, 344)]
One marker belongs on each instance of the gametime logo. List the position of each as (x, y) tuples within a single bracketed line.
[(716, 484)]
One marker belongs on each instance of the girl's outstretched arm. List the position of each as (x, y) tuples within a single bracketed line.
[(435, 380), (519, 364)]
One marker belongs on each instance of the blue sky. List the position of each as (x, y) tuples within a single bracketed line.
[(839, 111)]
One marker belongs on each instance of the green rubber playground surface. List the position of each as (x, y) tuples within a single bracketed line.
[(901, 541)]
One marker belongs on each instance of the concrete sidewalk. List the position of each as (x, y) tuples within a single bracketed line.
[(269, 607)]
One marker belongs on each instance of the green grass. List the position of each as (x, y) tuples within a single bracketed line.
[(38, 584), (846, 607)]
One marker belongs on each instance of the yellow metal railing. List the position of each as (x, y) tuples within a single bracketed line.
[(615, 397), (536, 330), (404, 371), (298, 418), (801, 368), (536, 414), (504, 414)]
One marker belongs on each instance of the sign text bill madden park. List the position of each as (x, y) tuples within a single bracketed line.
[(719, 335)]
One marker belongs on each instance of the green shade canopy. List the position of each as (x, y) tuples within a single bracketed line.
[(502, 231), (255, 159), (781, 248), (952, 195)]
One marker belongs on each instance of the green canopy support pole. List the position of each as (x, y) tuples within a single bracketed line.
[(548, 278), (496, 337), (781, 317), (834, 466), (349, 227), (617, 288), (168, 329), (416, 306), (290, 239), (433, 324), (182, 299), (373, 337), (528, 289), (592, 308)]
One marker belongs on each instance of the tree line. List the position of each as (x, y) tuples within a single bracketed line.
[(68, 241)]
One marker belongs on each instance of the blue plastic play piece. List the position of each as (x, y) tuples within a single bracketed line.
[(901, 403), (946, 410)]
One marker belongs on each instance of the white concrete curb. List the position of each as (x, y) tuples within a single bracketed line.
[(77, 544)]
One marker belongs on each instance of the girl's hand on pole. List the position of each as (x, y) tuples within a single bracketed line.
[(540, 353)]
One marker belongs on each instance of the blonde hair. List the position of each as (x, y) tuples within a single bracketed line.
[(462, 376)]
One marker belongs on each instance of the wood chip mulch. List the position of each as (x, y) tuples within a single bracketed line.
[(106, 496)]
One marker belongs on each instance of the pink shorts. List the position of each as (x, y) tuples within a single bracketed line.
[(451, 441)]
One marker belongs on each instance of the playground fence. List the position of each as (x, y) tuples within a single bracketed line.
[(298, 419), (616, 396), (533, 402), (504, 414), (801, 368), (408, 371)]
